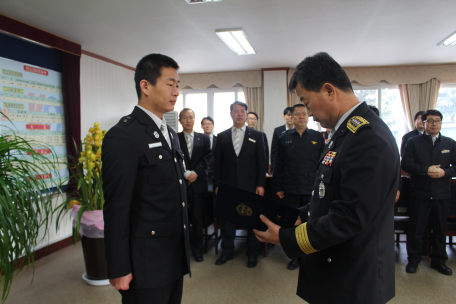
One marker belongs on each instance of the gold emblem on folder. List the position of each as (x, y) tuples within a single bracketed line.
[(244, 210)]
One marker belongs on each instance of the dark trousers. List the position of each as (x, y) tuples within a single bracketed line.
[(296, 200), (422, 211), (196, 203), (168, 294), (228, 235)]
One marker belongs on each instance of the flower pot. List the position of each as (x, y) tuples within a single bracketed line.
[(94, 258)]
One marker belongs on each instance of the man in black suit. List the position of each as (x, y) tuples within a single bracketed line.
[(252, 122), (197, 153), (279, 131), (419, 129), (239, 160), (344, 236), (207, 124), (145, 211)]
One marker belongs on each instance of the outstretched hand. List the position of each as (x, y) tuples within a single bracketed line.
[(271, 235)]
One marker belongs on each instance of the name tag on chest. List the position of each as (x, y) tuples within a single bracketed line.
[(155, 145), (252, 140)]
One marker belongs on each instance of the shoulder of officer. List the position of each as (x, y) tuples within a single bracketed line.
[(126, 121), (355, 123)]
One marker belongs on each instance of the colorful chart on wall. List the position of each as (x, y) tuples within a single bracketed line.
[(31, 97)]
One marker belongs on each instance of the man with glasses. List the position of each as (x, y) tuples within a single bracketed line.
[(279, 131), (296, 163), (419, 129), (252, 122), (430, 158)]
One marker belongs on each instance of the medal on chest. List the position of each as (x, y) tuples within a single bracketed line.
[(329, 158), (321, 190)]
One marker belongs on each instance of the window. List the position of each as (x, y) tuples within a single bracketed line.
[(446, 104), (387, 99), (213, 102)]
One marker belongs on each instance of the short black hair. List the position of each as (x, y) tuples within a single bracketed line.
[(314, 71), (287, 110), (293, 108), (238, 103), (431, 112), (208, 118), (253, 114), (375, 109), (149, 68), (418, 114), (183, 110)]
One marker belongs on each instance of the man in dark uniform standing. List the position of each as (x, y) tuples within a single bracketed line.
[(298, 152), (252, 122), (419, 129), (430, 158), (279, 131), (197, 153), (344, 235), (145, 210), (240, 161)]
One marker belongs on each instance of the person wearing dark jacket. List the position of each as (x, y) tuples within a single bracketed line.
[(239, 160), (430, 159), (252, 122), (279, 131), (419, 129), (197, 153), (298, 152)]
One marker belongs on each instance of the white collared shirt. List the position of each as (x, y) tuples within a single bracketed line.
[(434, 138), (211, 137), (154, 117), (342, 119)]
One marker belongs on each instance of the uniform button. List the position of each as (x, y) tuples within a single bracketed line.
[(185, 227), (329, 260), (180, 181), (308, 213), (153, 233), (160, 157), (322, 175), (431, 197), (175, 160), (183, 204)]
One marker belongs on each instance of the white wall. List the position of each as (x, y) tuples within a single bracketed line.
[(107, 93), (275, 100)]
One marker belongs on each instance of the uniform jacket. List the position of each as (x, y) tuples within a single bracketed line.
[(201, 156), (419, 155), (247, 170), (406, 137), (297, 160), (275, 142), (266, 150), (145, 210), (346, 239)]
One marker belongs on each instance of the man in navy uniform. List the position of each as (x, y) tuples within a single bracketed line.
[(145, 210), (419, 129), (197, 153), (239, 160), (279, 131), (430, 158), (344, 236), (296, 163), (207, 124)]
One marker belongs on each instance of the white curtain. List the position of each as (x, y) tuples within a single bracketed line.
[(254, 100)]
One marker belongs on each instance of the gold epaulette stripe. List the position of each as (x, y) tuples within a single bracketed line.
[(303, 239)]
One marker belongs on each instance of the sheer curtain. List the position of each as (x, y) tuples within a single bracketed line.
[(418, 97), (254, 100), (292, 98)]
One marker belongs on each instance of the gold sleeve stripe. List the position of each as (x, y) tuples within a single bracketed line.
[(303, 239)]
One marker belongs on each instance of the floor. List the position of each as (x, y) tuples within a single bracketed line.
[(58, 280)]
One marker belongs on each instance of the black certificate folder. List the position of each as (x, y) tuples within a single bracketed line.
[(243, 208)]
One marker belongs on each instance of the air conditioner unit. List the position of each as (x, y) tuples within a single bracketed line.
[(200, 1), (171, 119)]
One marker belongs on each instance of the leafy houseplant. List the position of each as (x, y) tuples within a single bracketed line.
[(28, 182), (85, 175)]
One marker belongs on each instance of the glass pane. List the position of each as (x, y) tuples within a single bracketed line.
[(311, 124), (392, 113), (178, 107), (241, 96), (198, 103), (369, 96), (222, 117), (446, 104)]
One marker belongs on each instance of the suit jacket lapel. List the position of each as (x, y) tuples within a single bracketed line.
[(196, 144), (247, 135)]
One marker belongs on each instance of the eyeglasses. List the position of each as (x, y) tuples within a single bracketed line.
[(431, 121), (252, 119)]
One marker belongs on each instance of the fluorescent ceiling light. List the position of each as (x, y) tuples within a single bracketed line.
[(200, 1), (451, 40), (236, 40)]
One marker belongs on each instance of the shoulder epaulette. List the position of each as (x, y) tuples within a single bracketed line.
[(356, 122)]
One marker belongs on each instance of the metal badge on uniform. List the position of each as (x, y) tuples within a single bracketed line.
[(156, 134), (252, 140), (330, 145), (155, 145), (445, 151), (314, 142), (321, 190), (356, 122), (329, 158), (183, 162)]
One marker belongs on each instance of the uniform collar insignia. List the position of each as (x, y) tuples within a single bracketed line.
[(356, 122)]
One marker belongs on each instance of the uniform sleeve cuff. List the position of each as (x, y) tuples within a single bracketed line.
[(302, 238)]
